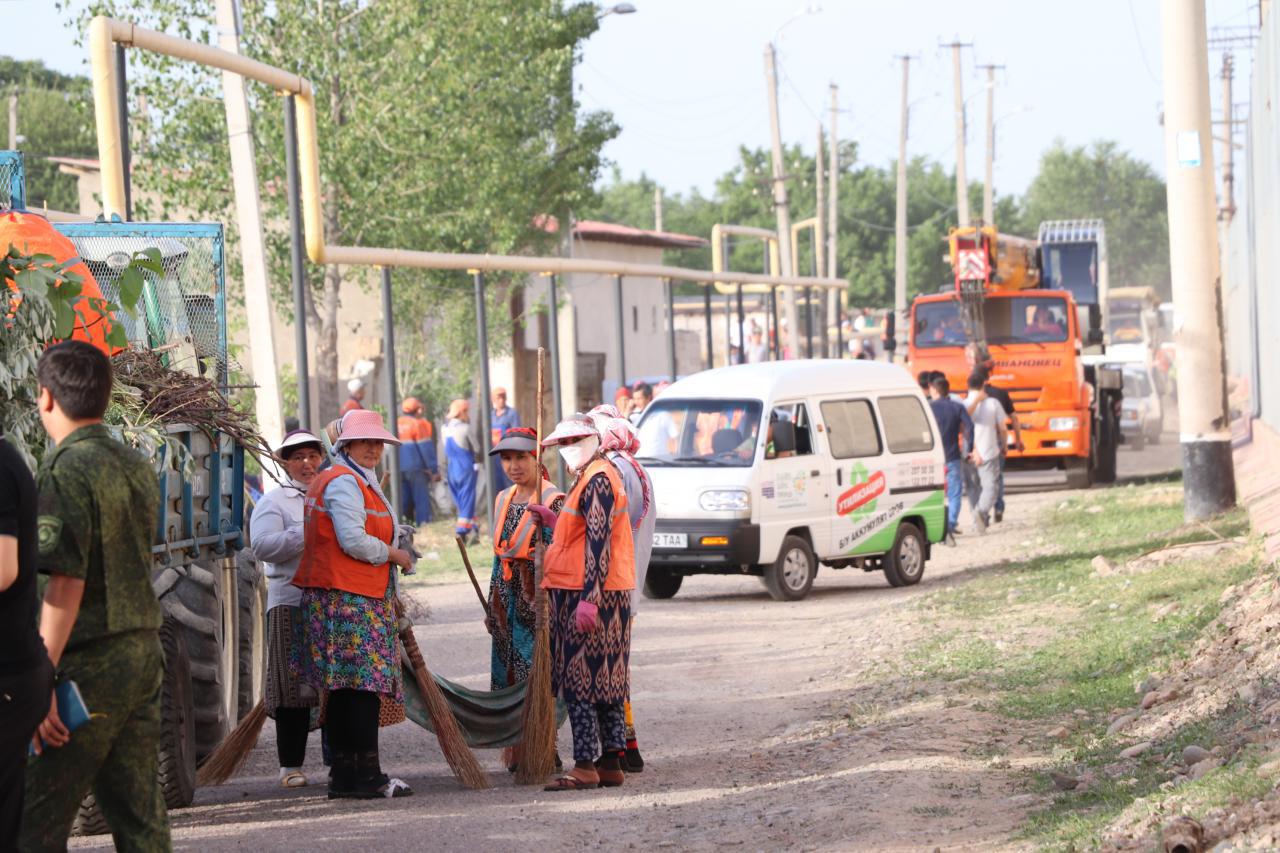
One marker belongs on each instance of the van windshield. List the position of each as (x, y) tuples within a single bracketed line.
[(707, 433)]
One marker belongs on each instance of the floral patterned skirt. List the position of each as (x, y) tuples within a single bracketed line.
[(350, 642)]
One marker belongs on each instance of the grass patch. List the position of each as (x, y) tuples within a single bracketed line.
[(442, 564)]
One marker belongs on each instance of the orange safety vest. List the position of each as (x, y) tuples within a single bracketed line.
[(520, 544), (324, 564), (411, 428), (566, 557)]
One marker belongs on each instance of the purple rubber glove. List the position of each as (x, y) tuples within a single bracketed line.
[(546, 517), (586, 617)]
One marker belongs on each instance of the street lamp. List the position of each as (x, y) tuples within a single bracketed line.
[(811, 9), (617, 9)]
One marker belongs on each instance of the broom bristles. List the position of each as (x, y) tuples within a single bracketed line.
[(226, 761), (462, 761), (537, 759)]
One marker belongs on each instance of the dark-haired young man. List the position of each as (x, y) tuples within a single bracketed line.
[(100, 619), (956, 428)]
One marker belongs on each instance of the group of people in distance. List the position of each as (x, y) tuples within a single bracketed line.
[(975, 438)]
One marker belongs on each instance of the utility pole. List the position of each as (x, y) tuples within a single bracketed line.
[(1207, 473), (657, 208), (13, 118), (833, 221), (819, 239), (244, 177), (988, 191), (1228, 211), (962, 179), (900, 219), (780, 194)]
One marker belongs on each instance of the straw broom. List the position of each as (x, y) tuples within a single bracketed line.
[(230, 755), (462, 761), (537, 756)]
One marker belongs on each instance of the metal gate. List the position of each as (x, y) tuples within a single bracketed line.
[(13, 195)]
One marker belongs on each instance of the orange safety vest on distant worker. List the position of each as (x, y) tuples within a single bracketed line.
[(324, 564), (566, 557), (32, 234), (520, 544)]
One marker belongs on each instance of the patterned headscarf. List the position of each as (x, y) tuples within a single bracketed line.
[(618, 434)]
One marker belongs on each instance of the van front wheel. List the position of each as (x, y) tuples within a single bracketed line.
[(790, 577), (904, 565), (659, 584)]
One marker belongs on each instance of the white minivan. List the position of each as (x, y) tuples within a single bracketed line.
[(770, 469)]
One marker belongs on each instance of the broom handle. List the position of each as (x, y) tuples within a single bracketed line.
[(466, 562), (537, 452)]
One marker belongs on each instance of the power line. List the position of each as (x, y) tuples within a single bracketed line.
[(1142, 50)]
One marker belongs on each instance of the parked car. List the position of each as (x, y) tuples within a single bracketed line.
[(770, 469), (1141, 412)]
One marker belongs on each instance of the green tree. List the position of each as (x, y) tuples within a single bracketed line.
[(1101, 181), (443, 124), (53, 121)]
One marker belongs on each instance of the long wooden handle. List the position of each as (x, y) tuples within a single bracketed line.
[(537, 452), (466, 561)]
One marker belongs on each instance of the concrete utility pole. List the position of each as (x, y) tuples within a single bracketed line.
[(1208, 476), (13, 119), (962, 179), (1228, 210), (780, 196), (900, 218), (833, 221), (244, 176), (988, 191)]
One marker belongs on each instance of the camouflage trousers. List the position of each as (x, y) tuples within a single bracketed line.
[(112, 756)]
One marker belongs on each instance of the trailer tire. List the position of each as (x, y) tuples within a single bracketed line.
[(251, 592), (192, 596)]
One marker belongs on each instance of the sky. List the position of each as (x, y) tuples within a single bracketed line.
[(685, 78)]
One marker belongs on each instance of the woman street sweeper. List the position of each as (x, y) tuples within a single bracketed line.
[(590, 572), (348, 604)]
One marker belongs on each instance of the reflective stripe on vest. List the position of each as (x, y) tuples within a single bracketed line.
[(324, 564), (565, 561), (519, 545)]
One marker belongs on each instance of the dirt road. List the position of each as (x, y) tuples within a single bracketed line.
[(764, 726)]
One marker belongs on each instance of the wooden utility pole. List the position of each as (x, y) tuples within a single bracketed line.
[(900, 218), (833, 220), (988, 191), (1207, 474), (780, 195), (962, 178)]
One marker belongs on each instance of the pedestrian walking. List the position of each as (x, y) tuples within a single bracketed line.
[(461, 467), (986, 364), (956, 428), (26, 675), (501, 418), (418, 465), (100, 620), (355, 397), (982, 473), (523, 513), (278, 538), (348, 601), (590, 572)]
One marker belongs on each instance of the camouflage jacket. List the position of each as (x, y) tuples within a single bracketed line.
[(98, 506)]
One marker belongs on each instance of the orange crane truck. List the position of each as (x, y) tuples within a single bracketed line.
[(1035, 309)]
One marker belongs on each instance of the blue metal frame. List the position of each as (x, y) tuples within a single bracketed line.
[(17, 179)]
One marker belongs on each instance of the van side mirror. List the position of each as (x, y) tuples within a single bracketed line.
[(784, 437)]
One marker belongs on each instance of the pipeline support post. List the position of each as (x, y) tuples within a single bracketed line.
[(298, 268), (122, 96), (483, 403), (742, 331), (671, 328), (553, 344), (706, 313), (621, 330), (776, 343), (389, 365)]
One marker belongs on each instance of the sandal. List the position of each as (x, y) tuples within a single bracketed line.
[(571, 781), (396, 788), (293, 779)]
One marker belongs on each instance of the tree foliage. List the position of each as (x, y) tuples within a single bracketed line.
[(53, 121), (443, 125)]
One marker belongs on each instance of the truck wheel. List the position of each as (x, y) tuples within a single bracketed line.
[(790, 577), (904, 565), (177, 720), (192, 596), (1079, 475), (1107, 439), (176, 758), (659, 583), (252, 593)]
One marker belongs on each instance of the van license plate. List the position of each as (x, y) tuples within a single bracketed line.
[(670, 540)]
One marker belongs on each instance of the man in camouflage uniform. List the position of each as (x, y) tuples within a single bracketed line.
[(100, 619)]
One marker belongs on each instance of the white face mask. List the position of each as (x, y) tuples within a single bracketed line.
[(578, 454)]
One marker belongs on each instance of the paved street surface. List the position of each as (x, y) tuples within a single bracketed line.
[(764, 726)]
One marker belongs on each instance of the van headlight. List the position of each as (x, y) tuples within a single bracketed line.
[(719, 500), (1063, 424)]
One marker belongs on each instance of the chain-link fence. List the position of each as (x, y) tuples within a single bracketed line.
[(182, 314), (12, 181)]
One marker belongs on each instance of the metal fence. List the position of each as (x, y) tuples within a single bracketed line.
[(183, 313), (1251, 249), (12, 181)]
